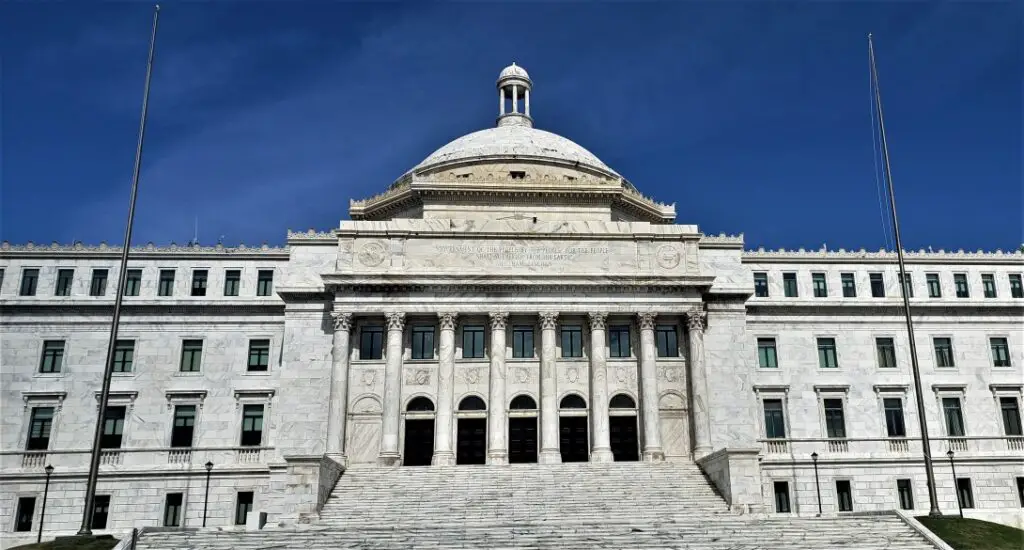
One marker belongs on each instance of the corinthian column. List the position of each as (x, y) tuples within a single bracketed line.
[(601, 449), (695, 321), (337, 417), (443, 453), (497, 449), (392, 391), (549, 453), (649, 389)]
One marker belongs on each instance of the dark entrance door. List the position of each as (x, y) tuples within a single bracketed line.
[(573, 441), (472, 442), (522, 440), (419, 442), (625, 446)]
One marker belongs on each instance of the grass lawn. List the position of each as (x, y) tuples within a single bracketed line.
[(102, 542), (974, 534)]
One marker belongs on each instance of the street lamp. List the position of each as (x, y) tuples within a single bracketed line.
[(956, 490), (46, 492), (206, 499), (817, 482)]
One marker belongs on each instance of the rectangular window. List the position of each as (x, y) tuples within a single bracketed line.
[(100, 511), (1020, 491), (907, 284), (184, 426), (472, 342), (774, 419), (191, 355), (166, 283), (572, 341), (252, 425), (1016, 286), (259, 355), (894, 426), (943, 352), (960, 282), (844, 495), (98, 285), (199, 277), (781, 489), (954, 416), (26, 509), (667, 340), (232, 279), (934, 288), (132, 282), (124, 354), (877, 285), (761, 285), (767, 358), (1011, 416), (906, 494), (522, 341), (849, 285), (53, 356), (886, 349), (371, 342), (618, 339), (39, 427), (113, 428), (827, 358), (172, 510), (264, 282), (29, 280), (423, 342), (1000, 352), (64, 279), (988, 285), (835, 422), (2, 271), (243, 507), (789, 284), (820, 286), (964, 493)]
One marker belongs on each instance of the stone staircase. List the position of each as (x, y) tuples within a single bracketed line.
[(565, 506)]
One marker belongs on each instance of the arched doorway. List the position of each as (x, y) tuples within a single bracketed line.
[(522, 430), (572, 429), (419, 432), (622, 424), (472, 432)]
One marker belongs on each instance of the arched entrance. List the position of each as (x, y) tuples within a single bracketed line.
[(522, 430), (572, 429), (472, 432), (622, 424), (419, 432)]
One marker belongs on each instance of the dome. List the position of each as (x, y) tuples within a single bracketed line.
[(513, 70)]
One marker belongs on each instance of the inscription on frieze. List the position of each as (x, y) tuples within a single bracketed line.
[(510, 255)]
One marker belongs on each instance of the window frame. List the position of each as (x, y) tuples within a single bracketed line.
[(762, 359), (940, 359), (264, 285), (909, 483), (789, 280), (176, 521), (781, 399), (876, 281), (422, 347), (474, 331), (200, 282), (664, 348), (56, 364), (819, 284), (1016, 285), (124, 363), (265, 366), (262, 427), (19, 514), (520, 349), (848, 282), (616, 342), (1016, 419), (963, 483), (998, 362), (946, 425), (839, 495), (788, 496), (761, 284), (881, 357), (164, 284), (841, 399), (100, 277), (33, 409), (906, 286), (96, 513), (988, 286), (963, 291), (133, 282), (232, 284), (116, 427), (192, 429), (899, 399), (198, 365), (375, 334), (823, 358), (29, 283), (65, 282), (934, 290), (251, 505), (571, 331)]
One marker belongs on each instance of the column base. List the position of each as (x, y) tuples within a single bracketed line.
[(550, 457), (499, 458), (701, 452), (443, 458), (389, 459), (602, 455), (340, 458), (654, 455)]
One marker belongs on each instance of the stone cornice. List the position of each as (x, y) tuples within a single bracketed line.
[(86, 307), (150, 250), (722, 241), (313, 236), (882, 256), (869, 309), (524, 280)]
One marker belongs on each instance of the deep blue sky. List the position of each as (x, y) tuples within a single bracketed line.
[(752, 117)]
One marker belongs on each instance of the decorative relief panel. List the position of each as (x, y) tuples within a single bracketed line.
[(667, 256), (418, 377), (470, 375), (522, 375), (365, 377), (625, 375), (671, 375), (574, 374), (372, 253)]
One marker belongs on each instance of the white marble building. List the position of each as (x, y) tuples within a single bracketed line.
[(509, 299)]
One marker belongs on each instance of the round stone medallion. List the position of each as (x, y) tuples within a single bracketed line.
[(667, 256), (372, 254)]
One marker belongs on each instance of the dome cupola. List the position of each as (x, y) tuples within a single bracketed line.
[(514, 84)]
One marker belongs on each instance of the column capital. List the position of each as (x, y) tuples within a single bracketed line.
[(498, 319), (396, 321), (342, 321), (647, 320), (548, 319), (696, 320), (448, 320), (598, 320)]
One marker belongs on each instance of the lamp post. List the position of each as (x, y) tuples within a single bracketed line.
[(206, 499), (956, 490), (46, 493), (817, 482)]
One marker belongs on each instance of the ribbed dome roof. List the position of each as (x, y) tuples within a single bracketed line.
[(513, 70)]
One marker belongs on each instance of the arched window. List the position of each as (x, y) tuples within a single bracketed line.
[(573, 401), (523, 402), (420, 404), (622, 401), (472, 403)]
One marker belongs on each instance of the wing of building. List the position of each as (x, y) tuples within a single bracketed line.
[(509, 299)]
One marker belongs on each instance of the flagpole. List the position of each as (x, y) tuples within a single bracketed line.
[(925, 441), (94, 463)]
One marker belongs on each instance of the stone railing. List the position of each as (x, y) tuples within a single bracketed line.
[(786, 449), (77, 460)]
